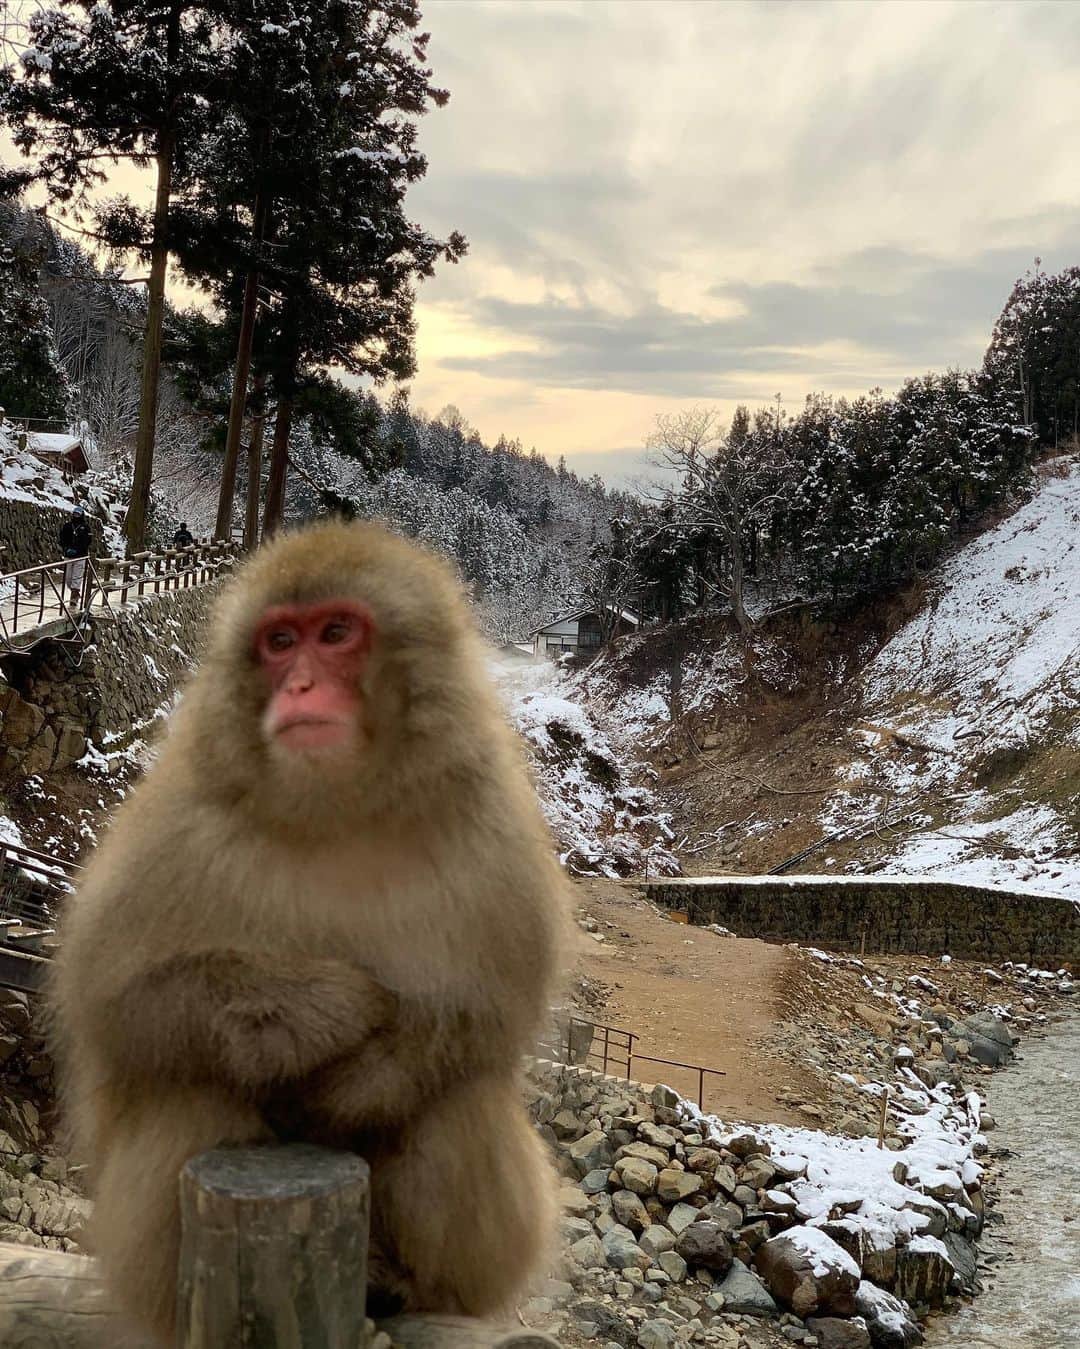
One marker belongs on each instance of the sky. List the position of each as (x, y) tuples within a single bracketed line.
[(693, 202), (679, 202)]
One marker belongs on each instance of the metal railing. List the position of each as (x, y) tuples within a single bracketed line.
[(32, 885), (610, 1050), (36, 596)]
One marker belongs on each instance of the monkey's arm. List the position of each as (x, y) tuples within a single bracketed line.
[(251, 1020), (403, 1067)]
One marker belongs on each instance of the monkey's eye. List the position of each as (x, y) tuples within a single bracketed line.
[(340, 630), (280, 639)]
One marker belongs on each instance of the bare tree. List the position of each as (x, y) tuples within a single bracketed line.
[(733, 481)]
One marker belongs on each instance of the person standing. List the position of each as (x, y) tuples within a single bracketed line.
[(75, 540), (183, 537)]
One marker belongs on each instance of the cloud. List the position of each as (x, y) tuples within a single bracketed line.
[(673, 201)]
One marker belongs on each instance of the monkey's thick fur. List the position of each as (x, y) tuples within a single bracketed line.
[(355, 953)]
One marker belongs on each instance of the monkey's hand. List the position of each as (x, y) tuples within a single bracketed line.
[(250, 1020), (399, 1070), (286, 1028)]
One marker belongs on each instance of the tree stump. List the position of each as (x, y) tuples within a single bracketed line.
[(273, 1249)]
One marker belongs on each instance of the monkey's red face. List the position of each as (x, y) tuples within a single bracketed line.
[(312, 656)]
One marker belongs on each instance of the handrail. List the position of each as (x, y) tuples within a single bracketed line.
[(34, 596)]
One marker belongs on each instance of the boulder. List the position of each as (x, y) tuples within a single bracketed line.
[(675, 1186), (808, 1272), (964, 1258), (744, 1293), (990, 1041), (656, 1335), (622, 1251), (673, 1265), (887, 1318), (637, 1175), (834, 1333), (924, 1271), (630, 1211), (655, 1240), (591, 1153), (705, 1245)]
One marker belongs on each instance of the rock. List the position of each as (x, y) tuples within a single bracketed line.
[(989, 1038), (664, 1098), (933, 1072), (589, 1253), (703, 1160), (9, 1044), (705, 1245), (655, 1240), (591, 1153), (725, 1178), (673, 1265), (681, 1216), (887, 1318), (744, 1293), (747, 1145), (808, 1272), (833, 1333), (595, 1182), (637, 1175), (778, 1201), (675, 1186), (622, 1251), (757, 1172), (964, 1259), (924, 1271), (877, 1020), (629, 1210), (656, 1334), (657, 1136)]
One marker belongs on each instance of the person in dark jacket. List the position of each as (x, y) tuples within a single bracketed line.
[(75, 540), (183, 538)]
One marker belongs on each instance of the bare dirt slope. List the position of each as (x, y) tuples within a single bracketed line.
[(692, 996)]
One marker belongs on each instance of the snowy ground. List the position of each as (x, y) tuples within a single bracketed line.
[(24, 477), (984, 685), (605, 822)]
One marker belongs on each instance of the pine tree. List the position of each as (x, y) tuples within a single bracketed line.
[(104, 81), (32, 380)]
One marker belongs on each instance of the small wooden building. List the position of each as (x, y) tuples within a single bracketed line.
[(63, 449), (580, 633)]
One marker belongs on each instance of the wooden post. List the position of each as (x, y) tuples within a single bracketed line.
[(884, 1117), (273, 1249)]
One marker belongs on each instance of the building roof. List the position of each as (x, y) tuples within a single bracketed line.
[(626, 614), (61, 443)]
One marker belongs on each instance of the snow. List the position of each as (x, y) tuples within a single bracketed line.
[(856, 1178), (825, 1253), (987, 672), (603, 820)]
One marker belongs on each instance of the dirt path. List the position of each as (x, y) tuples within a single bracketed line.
[(692, 996)]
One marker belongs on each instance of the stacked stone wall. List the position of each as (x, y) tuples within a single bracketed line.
[(897, 914), (30, 534), (59, 698)]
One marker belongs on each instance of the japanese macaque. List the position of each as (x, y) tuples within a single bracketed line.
[(330, 912)]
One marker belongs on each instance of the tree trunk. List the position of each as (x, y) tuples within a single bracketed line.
[(254, 463), (223, 528), (139, 505), (274, 510)]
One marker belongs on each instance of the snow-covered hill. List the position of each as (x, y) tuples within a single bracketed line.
[(951, 750), (974, 707)]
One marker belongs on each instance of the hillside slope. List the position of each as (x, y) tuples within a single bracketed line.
[(941, 738)]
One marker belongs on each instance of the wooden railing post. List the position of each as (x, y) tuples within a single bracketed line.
[(273, 1249)]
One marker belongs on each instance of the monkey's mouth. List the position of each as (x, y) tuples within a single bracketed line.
[(312, 733)]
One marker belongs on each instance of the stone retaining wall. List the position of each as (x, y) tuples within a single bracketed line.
[(892, 913), (30, 534), (125, 680)]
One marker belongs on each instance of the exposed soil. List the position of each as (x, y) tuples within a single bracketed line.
[(692, 996)]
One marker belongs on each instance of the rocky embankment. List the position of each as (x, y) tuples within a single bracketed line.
[(38, 1207), (681, 1230)]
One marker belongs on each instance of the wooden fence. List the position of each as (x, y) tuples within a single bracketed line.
[(273, 1255)]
